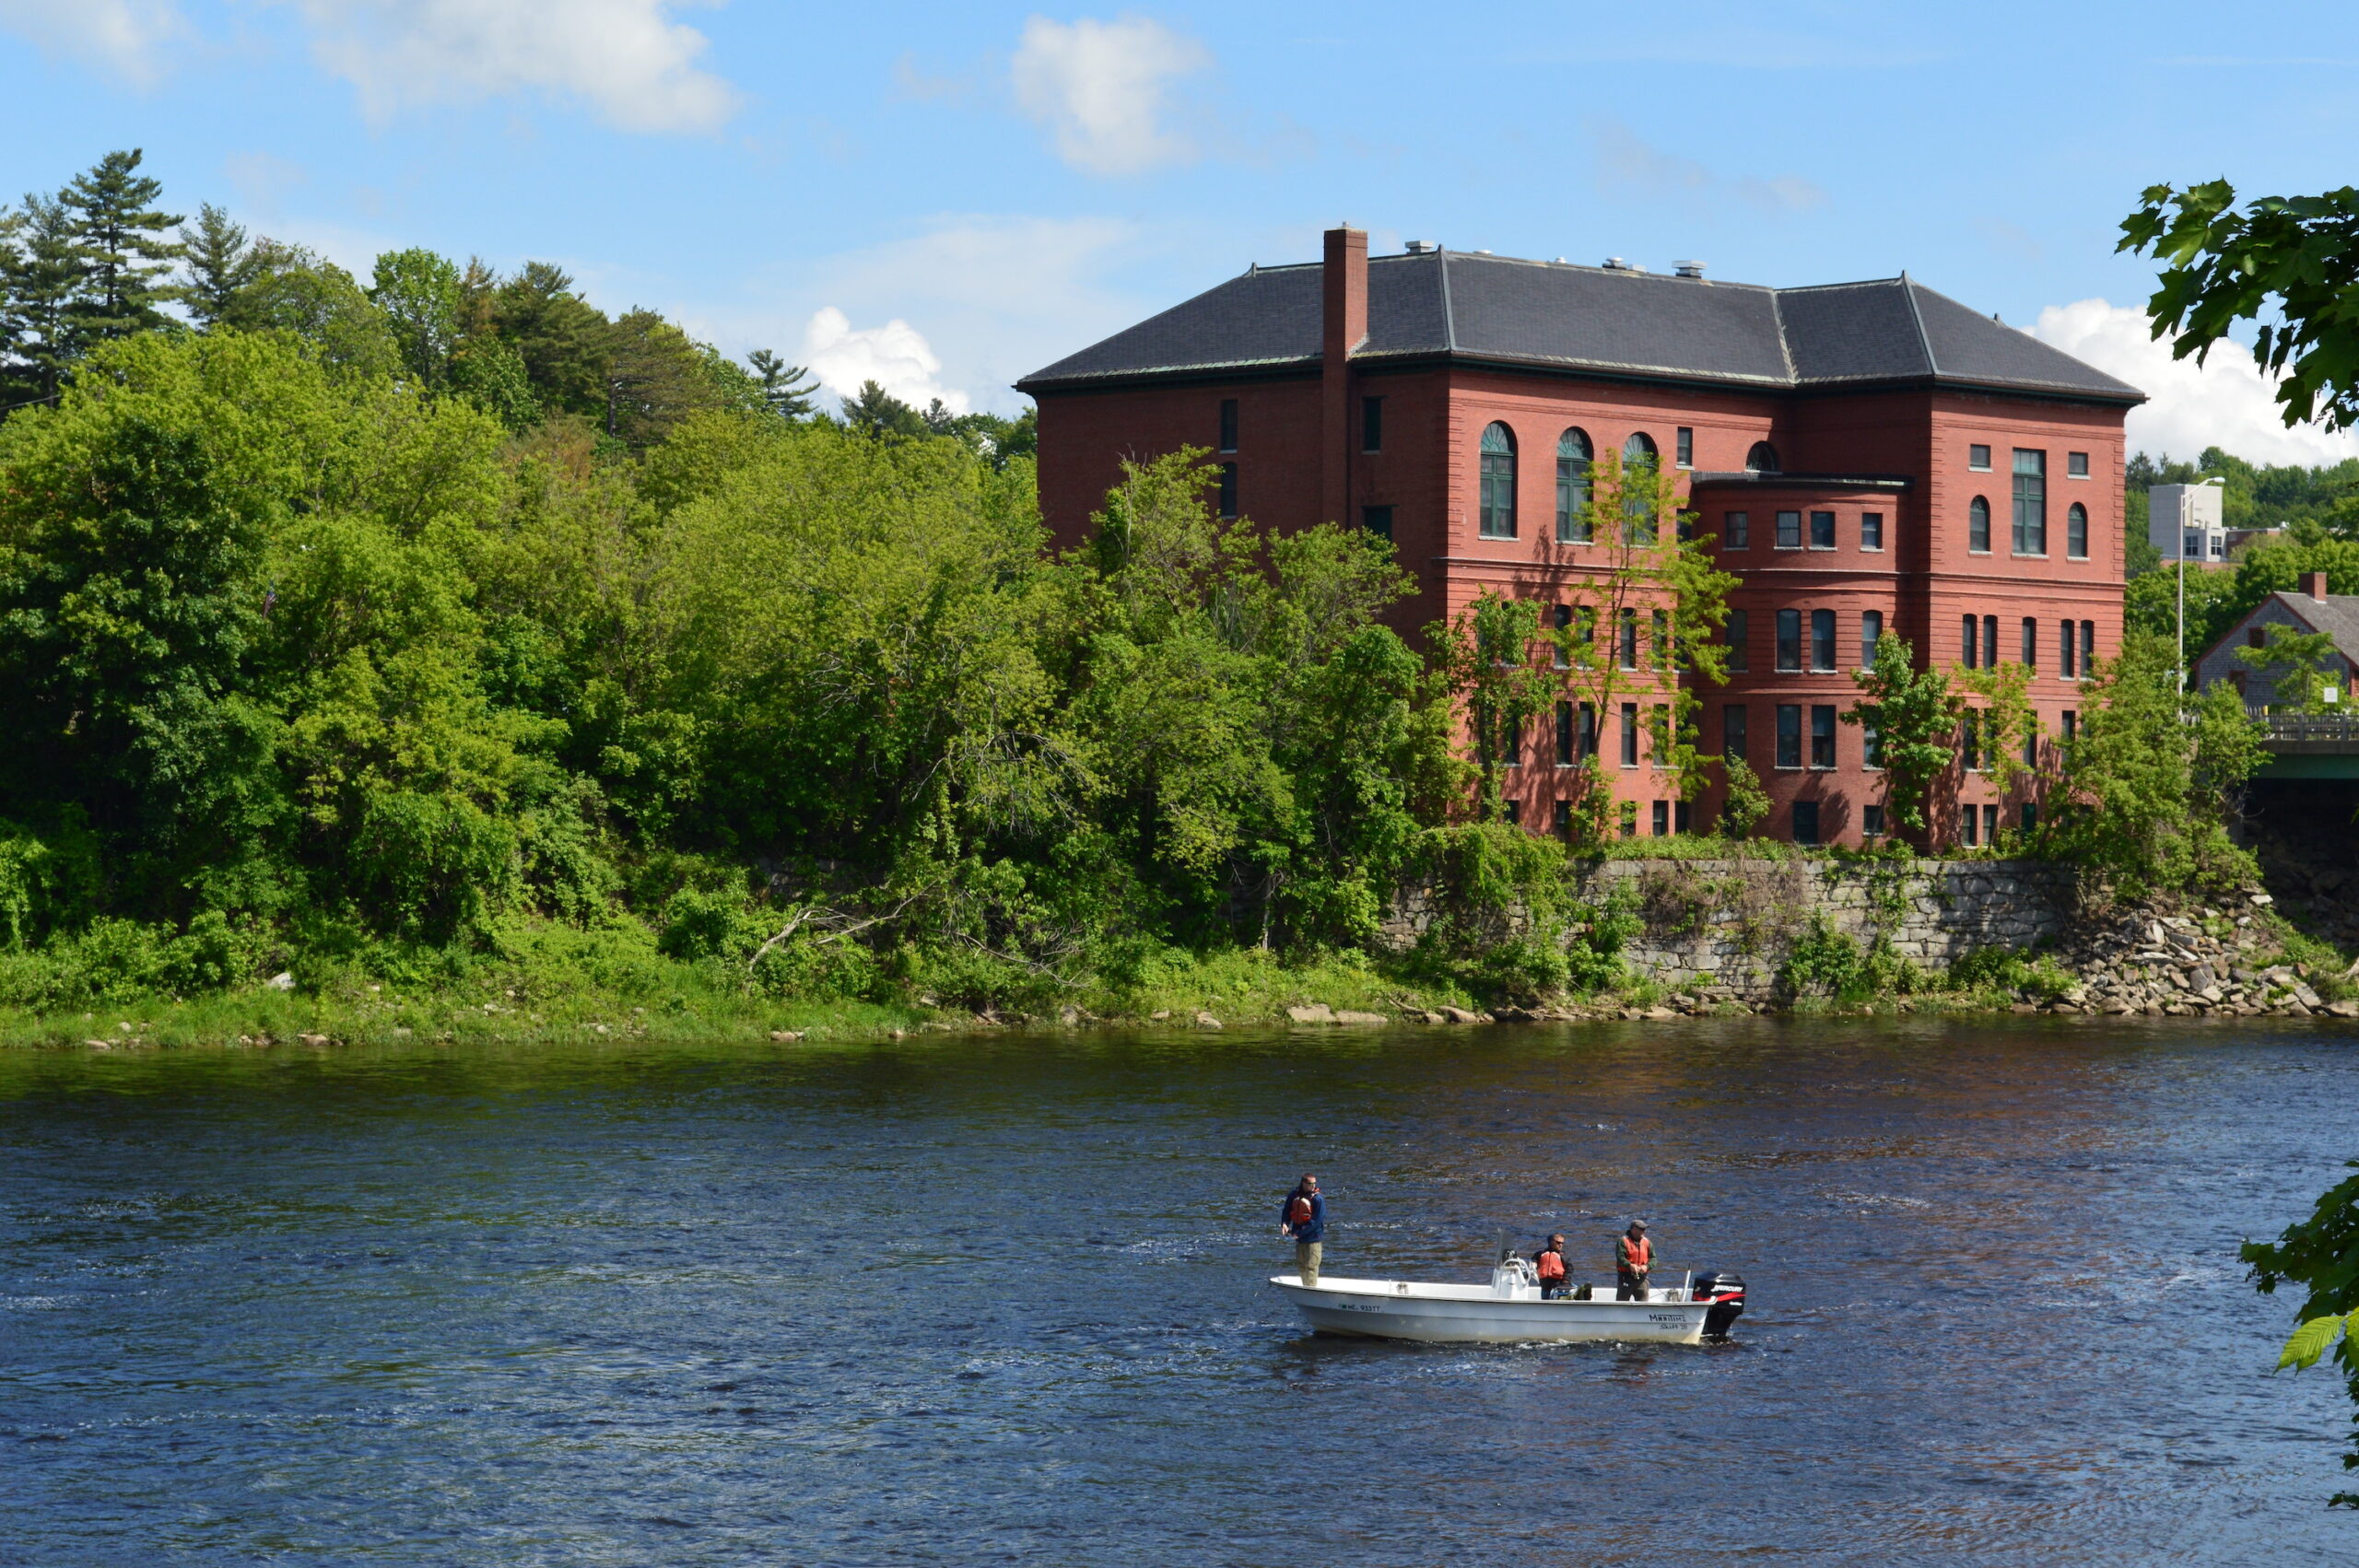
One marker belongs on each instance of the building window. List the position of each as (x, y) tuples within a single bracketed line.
[(1377, 521), (1805, 822), (1630, 639), (1686, 447), (2076, 465), (1870, 747), (1561, 822), (1514, 810), (1371, 423), (1872, 531), (2030, 816), (1969, 641), (1639, 521), (1737, 634), (1639, 449), (1572, 488), (1822, 735), (1662, 640), (1732, 730), (2031, 502), (1790, 639), (1629, 734), (1871, 631), (1991, 826), (1659, 735), (1627, 811), (2076, 532), (2088, 648), (2066, 640), (1822, 531), (1870, 822), (1969, 740), (1588, 739), (1736, 531), (2071, 726), (1497, 506), (1968, 825), (1762, 459), (1790, 530), (1977, 526), (2031, 644), (1565, 735), (2255, 638), (1229, 489), (1789, 734), (1229, 424), (1681, 820), (1511, 744), (1822, 640), (1661, 823), (2031, 744), (1562, 619), (1978, 458)]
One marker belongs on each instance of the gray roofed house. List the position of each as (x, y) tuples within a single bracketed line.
[(1453, 306), (2310, 610)]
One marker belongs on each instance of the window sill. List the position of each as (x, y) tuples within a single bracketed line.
[(2026, 555), (1503, 538), (1872, 549), (2070, 557), (1971, 551), (1827, 549)]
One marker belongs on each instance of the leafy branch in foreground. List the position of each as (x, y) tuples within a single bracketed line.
[(2321, 1252)]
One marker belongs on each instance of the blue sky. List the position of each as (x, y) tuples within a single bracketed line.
[(949, 196)]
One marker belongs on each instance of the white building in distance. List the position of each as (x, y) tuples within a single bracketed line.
[(2185, 519)]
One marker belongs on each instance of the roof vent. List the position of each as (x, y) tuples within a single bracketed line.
[(1482, 252), (1560, 260), (1691, 269), (1615, 264), (1417, 247)]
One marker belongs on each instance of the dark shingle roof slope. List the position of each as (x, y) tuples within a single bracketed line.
[(1549, 315)]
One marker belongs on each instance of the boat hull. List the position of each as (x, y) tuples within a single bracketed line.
[(1395, 1309)]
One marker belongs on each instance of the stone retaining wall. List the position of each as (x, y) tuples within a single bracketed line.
[(1724, 927)]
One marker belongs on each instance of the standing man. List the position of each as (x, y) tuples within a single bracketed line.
[(1634, 1260), (1304, 1218), (1549, 1265)]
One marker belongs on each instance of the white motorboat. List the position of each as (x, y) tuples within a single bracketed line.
[(1510, 1309)]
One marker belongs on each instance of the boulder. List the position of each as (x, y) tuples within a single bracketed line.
[(1206, 1021), (282, 981), (1364, 1020), (1312, 1012)]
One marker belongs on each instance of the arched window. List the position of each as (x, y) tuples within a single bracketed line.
[(2076, 532), (1977, 526), (1497, 509), (1762, 459), (1639, 522), (1572, 487)]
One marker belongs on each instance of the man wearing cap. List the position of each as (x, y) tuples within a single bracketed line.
[(1634, 1259)]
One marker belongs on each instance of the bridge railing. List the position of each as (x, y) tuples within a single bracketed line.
[(2334, 728)]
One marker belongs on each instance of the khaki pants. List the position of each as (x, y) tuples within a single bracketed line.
[(1629, 1287), (1306, 1259)]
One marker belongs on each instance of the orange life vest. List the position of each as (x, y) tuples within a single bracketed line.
[(1297, 1212), (1633, 1257), (1551, 1265)]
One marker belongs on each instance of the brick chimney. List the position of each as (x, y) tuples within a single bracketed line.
[(2314, 584), (1343, 321)]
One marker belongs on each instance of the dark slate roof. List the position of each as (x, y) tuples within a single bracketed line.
[(1551, 315)]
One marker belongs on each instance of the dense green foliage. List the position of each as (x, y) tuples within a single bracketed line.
[(2321, 1253)]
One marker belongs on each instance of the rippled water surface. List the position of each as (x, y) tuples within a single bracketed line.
[(997, 1300)]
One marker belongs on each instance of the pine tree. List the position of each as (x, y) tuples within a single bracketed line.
[(564, 341), (221, 266), (44, 279), (125, 256), (784, 387)]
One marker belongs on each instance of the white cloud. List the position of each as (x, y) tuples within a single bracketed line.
[(1100, 87), (2227, 402), (1625, 158), (894, 355), (122, 35), (627, 59)]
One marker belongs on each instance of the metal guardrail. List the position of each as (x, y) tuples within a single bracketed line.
[(2337, 729)]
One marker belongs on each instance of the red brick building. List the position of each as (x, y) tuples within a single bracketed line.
[(1871, 457)]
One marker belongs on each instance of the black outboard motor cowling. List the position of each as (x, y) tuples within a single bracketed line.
[(1726, 1292)]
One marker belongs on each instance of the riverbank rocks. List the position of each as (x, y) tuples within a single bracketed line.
[(1206, 1021), (2160, 961), (1316, 1013)]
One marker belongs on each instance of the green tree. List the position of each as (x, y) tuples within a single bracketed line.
[(1484, 657), (2292, 259), (2322, 1253), (1746, 802), (786, 389), (2298, 670), (45, 277), (563, 340), (319, 302), (126, 255), (419, 294), (221, 266), (878, 414), (1914, 716)]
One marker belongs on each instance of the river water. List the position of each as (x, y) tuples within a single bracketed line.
[(997, 1300)]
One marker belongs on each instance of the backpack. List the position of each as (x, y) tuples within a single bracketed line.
[(1297, 1212)]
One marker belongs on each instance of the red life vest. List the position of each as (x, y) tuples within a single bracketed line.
[(1633, 1257), (1297, 1212), (1551, 1265)]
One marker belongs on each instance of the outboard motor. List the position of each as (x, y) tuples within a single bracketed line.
[(1726, 1292)]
